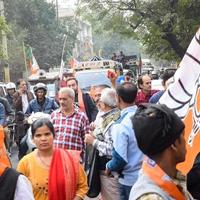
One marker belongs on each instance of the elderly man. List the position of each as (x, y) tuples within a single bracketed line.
[(96, 95), (96, 92), (126, 157), (70, 124), (160, 135), (101, 140), (145, 93)]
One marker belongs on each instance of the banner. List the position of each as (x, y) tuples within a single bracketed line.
[(183, 96)]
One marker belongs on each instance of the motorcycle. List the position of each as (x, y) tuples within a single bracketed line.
[(10, 129)]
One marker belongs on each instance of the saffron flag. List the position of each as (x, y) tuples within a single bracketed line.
[(183, 96), (73, 63), (31, 61)]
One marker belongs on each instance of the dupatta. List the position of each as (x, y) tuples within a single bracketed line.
[(63, 175)]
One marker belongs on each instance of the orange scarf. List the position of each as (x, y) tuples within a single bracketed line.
[(4, 160), (63, 175), (80, 101), (2, 168), (158, 176)]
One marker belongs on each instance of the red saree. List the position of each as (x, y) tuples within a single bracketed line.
[(63, 175)]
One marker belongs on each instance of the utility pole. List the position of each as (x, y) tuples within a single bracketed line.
[(4, 46)]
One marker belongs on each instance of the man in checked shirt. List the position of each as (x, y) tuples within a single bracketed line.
[(70, 124)]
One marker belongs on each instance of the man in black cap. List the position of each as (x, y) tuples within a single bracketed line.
[(160, 135)]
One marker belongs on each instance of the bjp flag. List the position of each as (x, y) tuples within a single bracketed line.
[(183, 96)]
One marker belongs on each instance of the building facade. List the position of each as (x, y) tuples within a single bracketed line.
[(84, 46)]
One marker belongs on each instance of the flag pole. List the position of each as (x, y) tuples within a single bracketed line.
[(63, 50), (25, 63), (61, 62)]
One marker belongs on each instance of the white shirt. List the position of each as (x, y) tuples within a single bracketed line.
[(24, 102), (23, 189)]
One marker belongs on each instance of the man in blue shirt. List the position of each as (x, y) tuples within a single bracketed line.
[(165, 77), (41, 103), (126, 157), (2, 114)]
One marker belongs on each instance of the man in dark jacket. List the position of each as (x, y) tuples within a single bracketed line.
[(82, 100), (11, 89), (2, 114), (8, 109), (22, 97)]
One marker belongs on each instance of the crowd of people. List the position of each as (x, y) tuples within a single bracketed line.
[(128, 145)]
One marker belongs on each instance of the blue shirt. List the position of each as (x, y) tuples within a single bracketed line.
[(120, 80), (2, 114), (126, 156), (155, 98), (48, 107)]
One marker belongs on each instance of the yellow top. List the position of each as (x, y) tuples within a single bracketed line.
[(38, 176)]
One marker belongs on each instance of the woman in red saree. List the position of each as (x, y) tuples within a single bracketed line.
[(54, 173)]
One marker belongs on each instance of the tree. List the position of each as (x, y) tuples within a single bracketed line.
[(4, 28), (164, 28), (37, 22), (106, 44)]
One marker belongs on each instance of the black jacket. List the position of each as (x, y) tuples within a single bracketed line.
[(8, 182), (90, 107), (193, 179)]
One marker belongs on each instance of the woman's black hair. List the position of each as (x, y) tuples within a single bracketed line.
[(42, 122)]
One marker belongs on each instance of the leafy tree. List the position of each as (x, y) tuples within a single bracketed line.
[(108, 41), (4, 29), (37, 22), (164, 28), (15, 48), (106, 44)]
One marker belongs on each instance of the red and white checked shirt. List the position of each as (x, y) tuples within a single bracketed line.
[(70, 130)]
